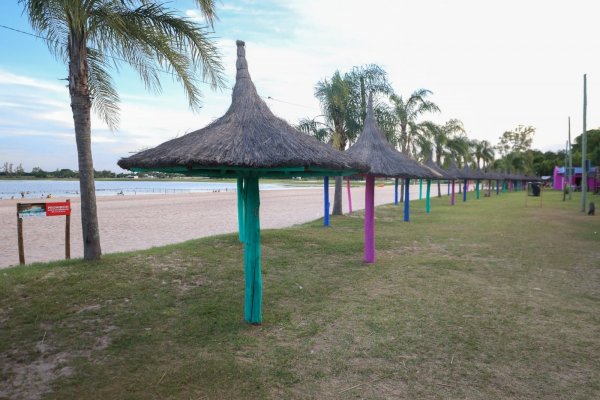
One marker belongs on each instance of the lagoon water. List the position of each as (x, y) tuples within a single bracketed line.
[(35, 189)]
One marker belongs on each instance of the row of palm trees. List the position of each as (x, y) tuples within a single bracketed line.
[(342, 99)]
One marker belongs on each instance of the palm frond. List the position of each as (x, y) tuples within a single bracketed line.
[(105, 99), (150, 37)]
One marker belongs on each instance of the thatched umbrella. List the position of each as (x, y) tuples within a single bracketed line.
[(443, 175), (466, 174), (247, 143), (453, 173), (373, 149), (479, 175)]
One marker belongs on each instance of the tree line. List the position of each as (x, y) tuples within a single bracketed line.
[(403, 119), (9, 170)]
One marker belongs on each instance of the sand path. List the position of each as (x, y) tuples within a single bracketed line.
[(140, 222)]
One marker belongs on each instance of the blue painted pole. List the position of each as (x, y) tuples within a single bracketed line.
[(420, 189), (465, 190), (406, 200), (326, 201), (396, 191)]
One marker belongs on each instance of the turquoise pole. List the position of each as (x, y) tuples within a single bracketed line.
[(253, 278)]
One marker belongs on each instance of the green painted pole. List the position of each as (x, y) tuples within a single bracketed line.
[(420, 189), (477, 188), (240, 206), (253, 278), (428, 197)]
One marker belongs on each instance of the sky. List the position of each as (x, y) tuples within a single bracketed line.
[(492, 64)]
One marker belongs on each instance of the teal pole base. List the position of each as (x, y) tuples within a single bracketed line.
[(252, 273)]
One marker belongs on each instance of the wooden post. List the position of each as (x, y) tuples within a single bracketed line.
[(253, 277), (349, 195), (428, 197), (240, 207), (326, 201), (584, 174), (68, 233), (369, 256), (20, 239), (570, 170), (406, 201)]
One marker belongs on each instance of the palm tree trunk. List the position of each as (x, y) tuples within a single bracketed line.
[(337, 197), (439, 188), (81, 106)]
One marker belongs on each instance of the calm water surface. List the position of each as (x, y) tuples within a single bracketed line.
[(32, 189)]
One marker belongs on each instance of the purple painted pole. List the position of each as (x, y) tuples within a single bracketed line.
[(406, 201), (452, 197), (349, 195), (370, 219), (465, 190)]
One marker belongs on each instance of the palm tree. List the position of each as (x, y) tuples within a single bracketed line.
[(484, 151), (92, 36), (340, 99), (407, 111), (440, 135)]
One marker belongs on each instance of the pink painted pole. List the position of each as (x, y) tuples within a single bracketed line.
[(349, 195), (370, 220), (452, 198)]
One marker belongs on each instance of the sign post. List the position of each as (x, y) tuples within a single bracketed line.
[(43, 210)]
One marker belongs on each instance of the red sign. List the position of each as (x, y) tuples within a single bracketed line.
[(59, 208)]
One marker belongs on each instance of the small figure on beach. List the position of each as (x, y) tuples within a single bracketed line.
[(22, 195), (121, 193), (49, 196)]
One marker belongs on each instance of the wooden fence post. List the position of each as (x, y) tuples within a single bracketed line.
[(68, 233)]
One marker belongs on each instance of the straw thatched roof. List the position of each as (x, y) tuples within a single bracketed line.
[(432, 165), (452, 172), (468, 173), (373, 149), (247, 137)]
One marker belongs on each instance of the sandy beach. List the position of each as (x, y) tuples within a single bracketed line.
[(144, 221)]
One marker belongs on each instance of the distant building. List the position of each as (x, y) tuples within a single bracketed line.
[(560, 179)]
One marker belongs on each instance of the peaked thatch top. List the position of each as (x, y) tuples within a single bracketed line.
[(432, 165), (247, 137), (453, 172), (468, 173), (373, 149)]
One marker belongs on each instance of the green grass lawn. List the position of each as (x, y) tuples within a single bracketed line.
[(486, 299)]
